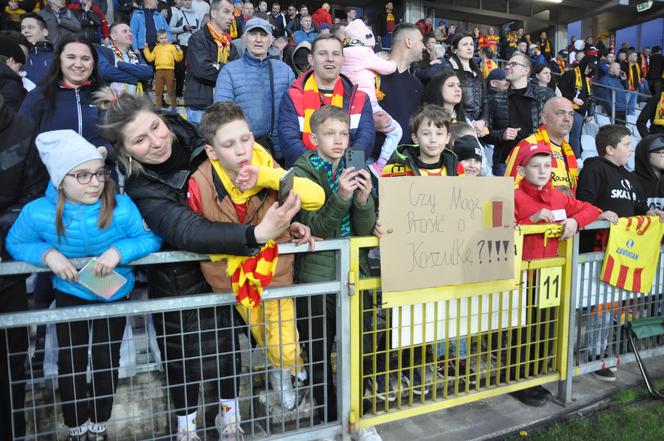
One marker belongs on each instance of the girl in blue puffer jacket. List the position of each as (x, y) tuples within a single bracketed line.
[(80, 216)]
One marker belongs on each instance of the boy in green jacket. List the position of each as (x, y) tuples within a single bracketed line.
[(349, 210)]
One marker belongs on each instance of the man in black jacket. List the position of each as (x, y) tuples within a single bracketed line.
[(208, 51), (22, 179), (515, 113)]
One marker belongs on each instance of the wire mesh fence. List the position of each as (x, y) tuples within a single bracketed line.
[(139, 367), (447, 351), (602, 312)]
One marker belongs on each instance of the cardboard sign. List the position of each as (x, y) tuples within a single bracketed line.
[(446, 231)]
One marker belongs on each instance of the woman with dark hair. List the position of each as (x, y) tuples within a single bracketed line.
[(158, 154), (445, 90), (542, 76), (63, 99), (475, 98)]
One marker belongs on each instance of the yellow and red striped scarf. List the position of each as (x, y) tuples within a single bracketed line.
[(541, 138), (223, 42), (249, 275), (578, 84), (133, 59), (313, 102), (632, 85), (487, 67), (658, 120)]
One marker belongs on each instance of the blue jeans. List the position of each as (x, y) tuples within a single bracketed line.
[(632, 102), (194, 116), (575, 134)]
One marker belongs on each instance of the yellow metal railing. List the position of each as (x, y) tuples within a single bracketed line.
[(406, 347)]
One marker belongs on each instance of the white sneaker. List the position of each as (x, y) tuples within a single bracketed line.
[(368, 434), (185, 435), (228, 426), (281, 383)]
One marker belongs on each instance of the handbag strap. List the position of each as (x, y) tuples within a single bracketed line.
[(269, 66)]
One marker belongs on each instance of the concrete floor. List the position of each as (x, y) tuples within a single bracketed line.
[(500, 416)]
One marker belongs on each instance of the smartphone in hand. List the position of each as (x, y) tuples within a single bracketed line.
[(354, 158), (286, 185)]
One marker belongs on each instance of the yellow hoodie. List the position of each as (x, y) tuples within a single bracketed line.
[(166, 55)]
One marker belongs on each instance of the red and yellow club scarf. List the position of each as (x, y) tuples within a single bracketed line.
[(313, 102), (251, 275), (223, 41), (562, 65), (644, 65), (487, 67), (578, 83), (544, 46), (658, 120), (541, 138), (633, 77), (133, 59)]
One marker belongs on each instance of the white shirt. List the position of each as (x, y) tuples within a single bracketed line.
[(201, 7)]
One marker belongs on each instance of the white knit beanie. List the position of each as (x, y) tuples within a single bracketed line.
[(62, 150)]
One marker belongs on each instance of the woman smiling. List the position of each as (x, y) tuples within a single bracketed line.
[(63, 99)]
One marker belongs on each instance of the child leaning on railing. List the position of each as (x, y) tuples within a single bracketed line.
[(90, 220)]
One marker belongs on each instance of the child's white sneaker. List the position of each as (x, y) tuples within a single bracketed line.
[(228, 426), (281, 383)]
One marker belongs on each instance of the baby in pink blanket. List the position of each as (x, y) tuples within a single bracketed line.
[(362, 66)]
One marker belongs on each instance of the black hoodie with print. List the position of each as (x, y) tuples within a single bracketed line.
[(608, 187), (651, 184)]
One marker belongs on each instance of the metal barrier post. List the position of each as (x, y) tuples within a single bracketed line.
[(613, 106), (343, 340), (565, 386)]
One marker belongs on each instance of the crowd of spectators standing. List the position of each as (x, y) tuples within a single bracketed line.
[(86, 70)]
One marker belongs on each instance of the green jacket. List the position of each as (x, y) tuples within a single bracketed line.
[(326, 223)]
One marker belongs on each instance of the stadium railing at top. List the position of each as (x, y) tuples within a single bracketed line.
[(144, 406)]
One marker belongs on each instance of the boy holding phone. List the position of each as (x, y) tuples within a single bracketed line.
[(239, 183), (349, 210)]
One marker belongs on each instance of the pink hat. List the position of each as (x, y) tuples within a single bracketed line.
[(359, 34)]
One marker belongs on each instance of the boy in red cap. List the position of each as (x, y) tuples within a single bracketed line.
[(536, 201)]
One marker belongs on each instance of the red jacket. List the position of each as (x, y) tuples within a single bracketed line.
[(424, 29), (321, 16), (528, 200)]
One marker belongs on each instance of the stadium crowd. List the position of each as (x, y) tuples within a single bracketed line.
[(96, 161)]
